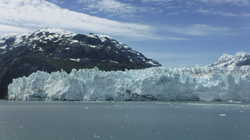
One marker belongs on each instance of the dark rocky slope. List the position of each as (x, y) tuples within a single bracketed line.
[(53, 50)]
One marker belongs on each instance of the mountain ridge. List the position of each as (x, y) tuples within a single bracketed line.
[(52, 50)]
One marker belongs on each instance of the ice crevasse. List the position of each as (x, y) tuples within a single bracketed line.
[(153, 84)]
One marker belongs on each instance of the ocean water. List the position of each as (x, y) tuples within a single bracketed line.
[(123, 121)]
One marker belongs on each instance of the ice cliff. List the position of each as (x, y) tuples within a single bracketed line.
[(159, 84)]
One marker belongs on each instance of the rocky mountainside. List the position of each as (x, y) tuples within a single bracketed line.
[(232, 61), (53, 50)]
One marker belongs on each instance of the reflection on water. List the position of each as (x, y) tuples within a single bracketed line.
[(123, 121)]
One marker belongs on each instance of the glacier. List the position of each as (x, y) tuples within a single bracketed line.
[(200, 83)]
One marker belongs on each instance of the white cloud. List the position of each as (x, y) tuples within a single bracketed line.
[(176, 38), (40, 13), (128, 8), (206, 7), (157, 0), (5, 29), (114, 7), (22, 15), (222, 13), (235, 2), (199, 30)]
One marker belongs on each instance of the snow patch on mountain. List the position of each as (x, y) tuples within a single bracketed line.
[(46, 35)]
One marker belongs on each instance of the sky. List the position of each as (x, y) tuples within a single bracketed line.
[(174, 32)]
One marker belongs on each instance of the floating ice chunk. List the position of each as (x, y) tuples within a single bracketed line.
[(222, 115)]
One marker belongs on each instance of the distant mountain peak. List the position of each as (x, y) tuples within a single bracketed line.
[(237, 60)]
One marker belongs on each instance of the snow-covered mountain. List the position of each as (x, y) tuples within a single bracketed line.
[(59, 43), (51, 50), (233, 61), (54, 49)]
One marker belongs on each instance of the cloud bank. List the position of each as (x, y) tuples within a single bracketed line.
[(199, 30), (25, 15), (113, 7), (34, 14), (6, 29)]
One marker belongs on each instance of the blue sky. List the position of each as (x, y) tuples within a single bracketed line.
[(174, 32)]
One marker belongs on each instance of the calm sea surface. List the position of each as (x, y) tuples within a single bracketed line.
[(123, 121)]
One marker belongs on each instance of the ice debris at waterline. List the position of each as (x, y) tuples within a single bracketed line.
[(161, 84)]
